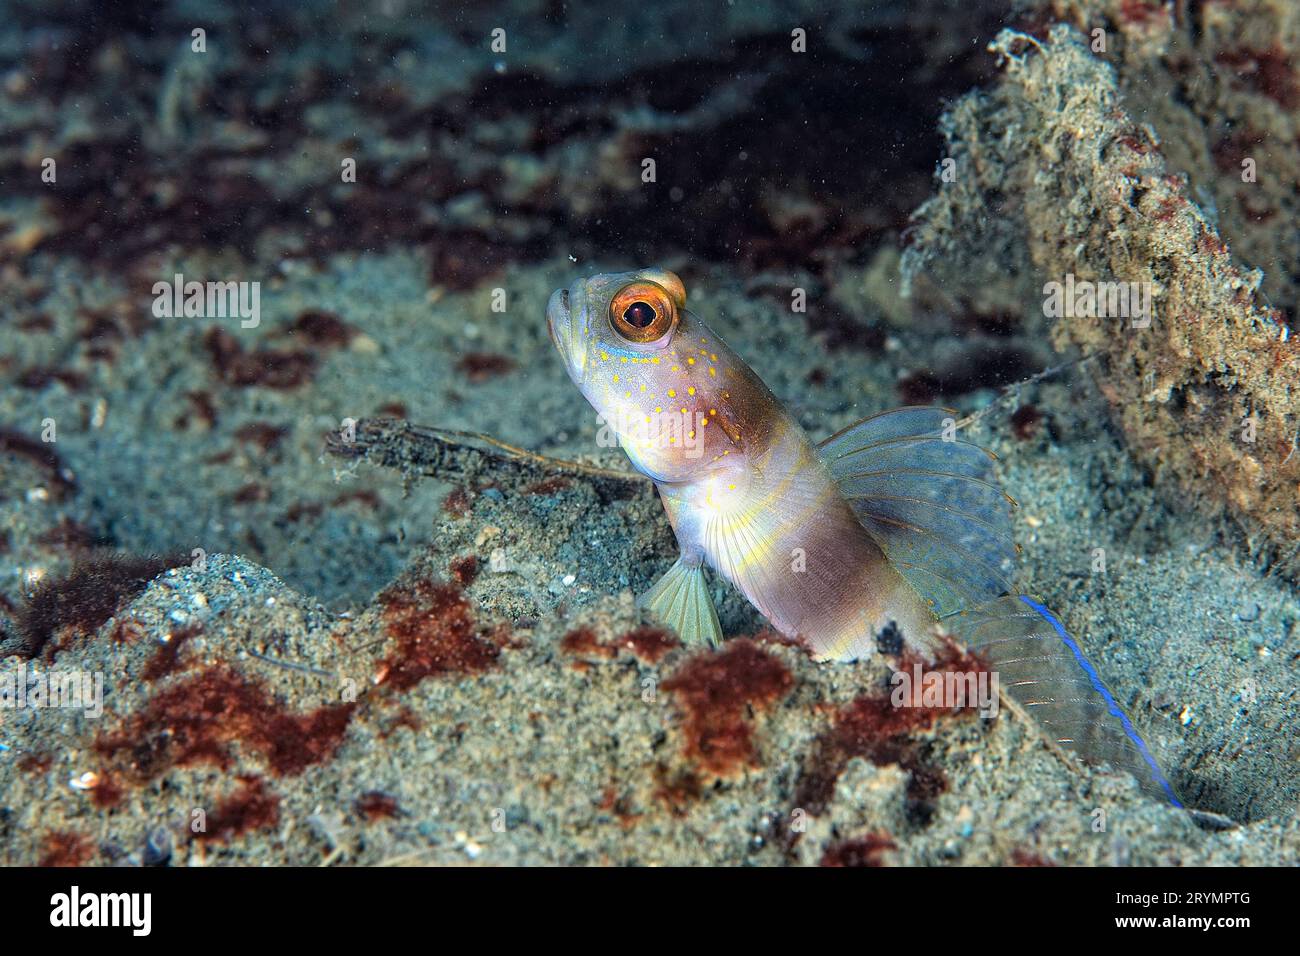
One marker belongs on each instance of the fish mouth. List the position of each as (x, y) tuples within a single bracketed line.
[(560, 324), (557, 306)]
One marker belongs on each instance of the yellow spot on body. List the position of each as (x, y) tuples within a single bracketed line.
[(677, 368), (690, 361), (658, 408), (713, 356), (643, 388), (672, 393), (628, 393), (604, 356), (683, 409), (713, 411), (655, 360), (692, 434), (691, 390), (731, 487), (623, 359), (616, 377), (703, 422), (713, 371)]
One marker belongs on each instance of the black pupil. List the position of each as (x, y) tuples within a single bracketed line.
[(639, 315)]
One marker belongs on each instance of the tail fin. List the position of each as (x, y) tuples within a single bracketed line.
[(1046, 677)]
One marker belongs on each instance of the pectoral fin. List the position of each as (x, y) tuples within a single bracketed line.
[(681, 600)]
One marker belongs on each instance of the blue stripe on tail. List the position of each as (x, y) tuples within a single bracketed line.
[(1111, 704)]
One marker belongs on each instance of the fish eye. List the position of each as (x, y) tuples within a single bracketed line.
[(642, 312)]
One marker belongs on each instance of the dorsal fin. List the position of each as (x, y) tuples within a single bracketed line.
[(930, 501)]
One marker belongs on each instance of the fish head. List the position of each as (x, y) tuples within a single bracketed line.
[(654, 372), (584, 323)]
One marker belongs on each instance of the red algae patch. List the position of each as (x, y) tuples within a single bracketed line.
[(262, 434), (37, 762), (464, 570), (323, 329), (677, 789), (65, 848), (582, 642), (433, 632), (649, 644), (873, 728), (402, 717), (39, 453), (1020, 857), (69, 536), (376, 805), (548, 486), (1025, 421), (1266, 72), (166, 660), (458, 503), (867, 850), (251, 807), (718, 692), (198, 718), (481, 366), (280, 369), (126, 632), (80, 601), (106, 793)]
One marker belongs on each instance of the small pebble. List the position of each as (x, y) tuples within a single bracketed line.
[(157, 847)]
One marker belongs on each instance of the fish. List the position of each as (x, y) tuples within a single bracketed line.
[(891, 535)]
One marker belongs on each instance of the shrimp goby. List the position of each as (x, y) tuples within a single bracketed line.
[(892, 533)]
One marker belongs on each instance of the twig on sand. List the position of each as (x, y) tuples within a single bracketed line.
[(1012, 391), (291, 665), (420, 451)]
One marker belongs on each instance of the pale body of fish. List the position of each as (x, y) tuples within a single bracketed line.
[(892, 533)]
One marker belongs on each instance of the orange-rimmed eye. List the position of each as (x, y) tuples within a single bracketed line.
[(642, 312)]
